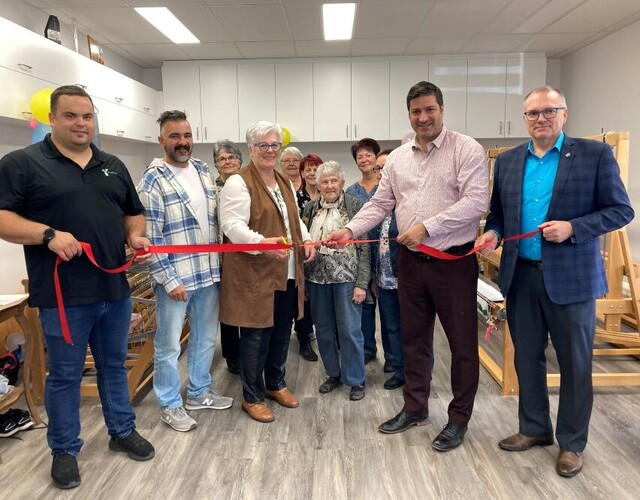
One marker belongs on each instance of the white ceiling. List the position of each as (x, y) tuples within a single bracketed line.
[(257, 29)]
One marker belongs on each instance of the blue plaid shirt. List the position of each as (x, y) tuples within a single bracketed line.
[(171, 221)]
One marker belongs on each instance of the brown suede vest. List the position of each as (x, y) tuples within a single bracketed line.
[(248, 281)]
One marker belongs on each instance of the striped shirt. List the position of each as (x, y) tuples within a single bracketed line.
[(444, 188), (171, 221)]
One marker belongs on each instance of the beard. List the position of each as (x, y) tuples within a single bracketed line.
[(179, 154)]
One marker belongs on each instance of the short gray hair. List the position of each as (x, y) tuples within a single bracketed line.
[(229, 146), (547, 89), (293, 151), (329, 168), (260, 130)]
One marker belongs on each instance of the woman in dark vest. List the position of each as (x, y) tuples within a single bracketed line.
[(261, 290)]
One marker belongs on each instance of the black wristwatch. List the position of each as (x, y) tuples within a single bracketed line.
[(48, 235)]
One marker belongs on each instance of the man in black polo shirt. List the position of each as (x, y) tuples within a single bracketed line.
[(53, 195)]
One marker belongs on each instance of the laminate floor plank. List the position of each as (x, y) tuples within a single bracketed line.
[(330, 448)]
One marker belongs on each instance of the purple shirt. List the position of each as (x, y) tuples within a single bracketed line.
[(445, 189)]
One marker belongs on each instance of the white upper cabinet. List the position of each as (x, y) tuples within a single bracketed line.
[(332, 101), (120, 121), (294, 99), (181, 86), (403, 75), (370, 100), (219, 103), (486, 85), (451, 76), (17, 89), (523, 75), (256, 94)]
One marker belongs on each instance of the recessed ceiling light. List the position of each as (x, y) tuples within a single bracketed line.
[(338, 20), (167, 24)]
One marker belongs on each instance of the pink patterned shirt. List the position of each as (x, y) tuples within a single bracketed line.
[(445, 189)]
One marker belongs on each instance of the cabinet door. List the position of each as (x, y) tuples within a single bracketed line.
[(451, 77), (370, 100), (403, 75), (219, 102), (486, 97), (17, 89), (181, 89), (256, 94), (332, 101), (523, 75), (294, 100), (124, 122)]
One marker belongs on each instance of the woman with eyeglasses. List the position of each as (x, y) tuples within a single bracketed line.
[(337, 282), (290, 166), (260, 290), (228, 160)]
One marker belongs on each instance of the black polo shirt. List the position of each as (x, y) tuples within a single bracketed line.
[(42, 185)]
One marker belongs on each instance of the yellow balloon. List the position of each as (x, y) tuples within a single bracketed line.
[(41, 105), (286, 137)]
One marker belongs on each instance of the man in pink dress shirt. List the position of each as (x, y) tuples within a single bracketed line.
[(438, 184)]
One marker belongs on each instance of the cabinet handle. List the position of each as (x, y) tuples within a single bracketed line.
[(509, 127), (500, 133), (118, 100), (147, 137), (120, 133), (205, 134), (355, 131), (25, 67), (197, 133), (146, 110), (80, 85), (346, 130)]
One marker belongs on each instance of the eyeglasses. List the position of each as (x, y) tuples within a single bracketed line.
[(377, 169), (225, 159), (548, 113), (289, 161), (266, 146)]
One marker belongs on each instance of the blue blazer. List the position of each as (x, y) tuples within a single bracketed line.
[(588, 192)]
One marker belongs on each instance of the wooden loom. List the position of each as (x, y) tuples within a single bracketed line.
[(613, 310)]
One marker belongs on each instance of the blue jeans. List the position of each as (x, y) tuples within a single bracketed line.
[(104, 326), (391, 336), (202, 306), (332, 307)]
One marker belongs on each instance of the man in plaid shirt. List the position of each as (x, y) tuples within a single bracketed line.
[(180, 207)]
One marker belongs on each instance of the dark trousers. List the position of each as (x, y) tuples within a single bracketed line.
[(369, 325), (264, 350), (230, 340), (427, 287), (304, 327), (532, 318)]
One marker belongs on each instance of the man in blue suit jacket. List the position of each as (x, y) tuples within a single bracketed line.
[(569, 189)]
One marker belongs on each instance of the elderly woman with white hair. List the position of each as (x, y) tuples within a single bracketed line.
[(337, 283), (261, 290), (290, 164)]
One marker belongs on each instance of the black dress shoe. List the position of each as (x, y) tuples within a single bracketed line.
[(401, 422), (368, 358), (330, 384), (393, 383), (234, 366), (387, 366), (450, 437), (357, 392), (307, 352)]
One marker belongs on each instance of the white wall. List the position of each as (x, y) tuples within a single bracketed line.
[(601, 85)]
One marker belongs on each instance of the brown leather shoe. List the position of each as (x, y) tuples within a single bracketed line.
[(520, 442), (283, 397), (258, 411), (569, 463)]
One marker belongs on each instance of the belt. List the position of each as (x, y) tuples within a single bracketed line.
[(533, 263), (455, 250)]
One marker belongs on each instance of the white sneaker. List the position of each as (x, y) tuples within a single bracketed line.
[(211, 399), (178, 419)]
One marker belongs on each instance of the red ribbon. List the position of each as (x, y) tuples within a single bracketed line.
[(229, 247)]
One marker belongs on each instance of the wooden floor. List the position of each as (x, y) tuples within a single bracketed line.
[(329, 448)]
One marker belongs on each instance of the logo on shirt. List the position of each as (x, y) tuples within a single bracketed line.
[(108, 172)]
